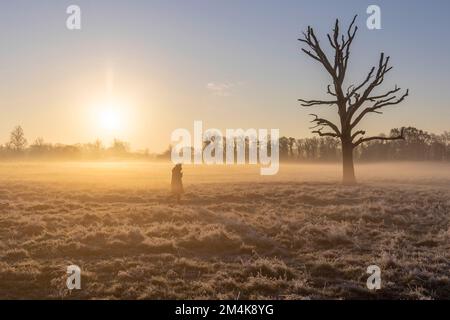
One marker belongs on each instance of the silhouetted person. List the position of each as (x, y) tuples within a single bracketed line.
[(177, 183)]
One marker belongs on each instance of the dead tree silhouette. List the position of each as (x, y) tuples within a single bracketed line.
[(354, 103)]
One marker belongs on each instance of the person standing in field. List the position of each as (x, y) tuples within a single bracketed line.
[(177, 183)]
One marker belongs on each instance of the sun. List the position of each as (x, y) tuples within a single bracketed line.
[(110, 116), (109, 119)]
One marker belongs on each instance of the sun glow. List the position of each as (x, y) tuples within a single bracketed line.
[(111, 112), (109, 119)]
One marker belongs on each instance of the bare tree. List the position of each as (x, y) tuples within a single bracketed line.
[(17, 141), (119, 147), (353, 103)]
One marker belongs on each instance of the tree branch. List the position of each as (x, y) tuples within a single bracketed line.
[(341, 55), (325, 134), (382, 70), (330, 92), (380, 104), (399, 137), (310, 103), (357, 133), (320, 122), (316, 51)]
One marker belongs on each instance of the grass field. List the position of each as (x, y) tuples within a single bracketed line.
[(236, 235)]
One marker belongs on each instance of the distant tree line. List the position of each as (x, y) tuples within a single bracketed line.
[(18, 147), (418, 145)]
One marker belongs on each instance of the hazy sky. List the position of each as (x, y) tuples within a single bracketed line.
[(163, 64)]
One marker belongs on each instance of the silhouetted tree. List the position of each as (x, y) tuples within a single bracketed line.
[(166, 154), (328, 149), (39, 147), (292, 144), (119, 147), (353, 103), (284, 148), (17, 141)]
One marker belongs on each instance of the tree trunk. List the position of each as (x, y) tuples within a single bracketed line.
[(347, 163)]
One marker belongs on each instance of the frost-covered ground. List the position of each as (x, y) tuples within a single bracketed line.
[(235, 235)]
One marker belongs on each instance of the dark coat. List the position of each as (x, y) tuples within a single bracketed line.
[(177, 183)]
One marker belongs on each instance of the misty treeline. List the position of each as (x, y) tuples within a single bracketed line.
[(19, 147), (418, 145)]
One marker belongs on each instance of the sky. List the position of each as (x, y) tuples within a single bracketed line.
[(139, 69)]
